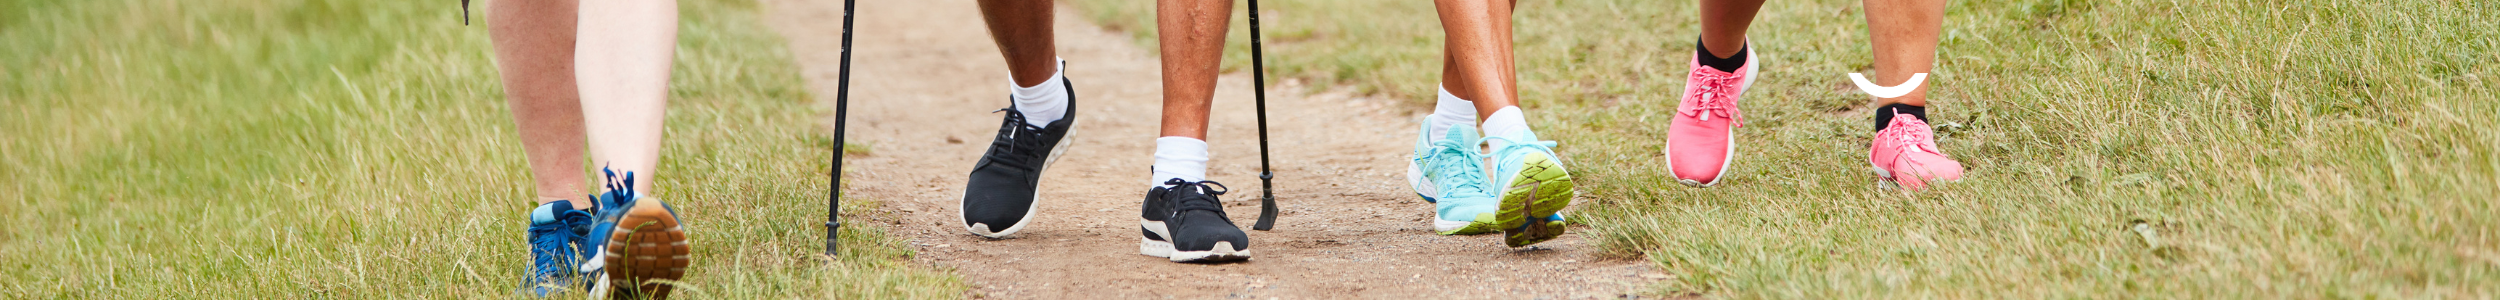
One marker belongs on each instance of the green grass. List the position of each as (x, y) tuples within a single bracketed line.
[(2303, 149), (361, 149)]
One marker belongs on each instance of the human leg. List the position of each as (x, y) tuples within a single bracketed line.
[(622, 60), (1701, 138), (534, 52), (1022, 29), (1001, 195), (1191, 33), (1904, 36), (1533, 185)]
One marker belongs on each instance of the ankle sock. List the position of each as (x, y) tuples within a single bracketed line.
[(1045, 103), (1448, 112), (1505, 122), (1727, 64), (1883, 116), (1179, 157)]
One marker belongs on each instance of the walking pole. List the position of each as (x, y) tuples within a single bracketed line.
[(1258, 79), (841, 110)]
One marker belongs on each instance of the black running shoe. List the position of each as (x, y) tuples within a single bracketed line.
[(1199, 231), (999, 199), (1156, 242)]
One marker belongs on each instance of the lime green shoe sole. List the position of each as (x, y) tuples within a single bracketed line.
[(1480, 226), (1541, 189)]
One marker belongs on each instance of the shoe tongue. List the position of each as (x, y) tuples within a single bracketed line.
[(1464, 136), (546, 213)]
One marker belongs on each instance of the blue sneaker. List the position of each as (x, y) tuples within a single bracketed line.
[(1449, 173), (557, 246), (1535, 188), (642, 246)]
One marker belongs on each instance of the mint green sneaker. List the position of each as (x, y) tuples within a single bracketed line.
[(1449, 173), (1535, 189)]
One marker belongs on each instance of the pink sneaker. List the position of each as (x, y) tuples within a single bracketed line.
[(1906, 153), (1701, 141)]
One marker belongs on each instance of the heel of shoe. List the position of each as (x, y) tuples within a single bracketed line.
[(1151, 247), (646, 253)]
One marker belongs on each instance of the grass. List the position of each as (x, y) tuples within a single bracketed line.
[(361, 149), (2119, 149)]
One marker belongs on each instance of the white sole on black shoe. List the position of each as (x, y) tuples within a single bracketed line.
[(1150, 246), (1056, 151), (1223, 252)]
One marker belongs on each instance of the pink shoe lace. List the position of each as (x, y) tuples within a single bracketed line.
[(1717, 95), (1908, 134)]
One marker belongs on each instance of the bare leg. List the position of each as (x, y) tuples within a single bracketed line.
[(534, 51), (623, 59), (1192, 37), (1022, 29), (1904, 34), (1723, 24), (1477, 61)]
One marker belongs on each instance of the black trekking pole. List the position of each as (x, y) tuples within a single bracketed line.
[(1258, 79), (841, 110)]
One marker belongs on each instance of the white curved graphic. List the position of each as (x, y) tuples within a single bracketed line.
[(1888, 91)]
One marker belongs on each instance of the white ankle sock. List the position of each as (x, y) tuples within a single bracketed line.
[(1447, 112), (1179, 157), (1045, 103), (1505, 122)]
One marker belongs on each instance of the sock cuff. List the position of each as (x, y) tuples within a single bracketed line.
[(1179, 157), (1701, 54), (1447, 112), (1884, 115), (1451, 103), (1507, 121), (1048, 87)]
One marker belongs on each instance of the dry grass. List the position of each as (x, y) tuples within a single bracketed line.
[(361, 149), (2120, 149)]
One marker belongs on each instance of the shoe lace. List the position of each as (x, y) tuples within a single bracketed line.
[(1908, 133), (552, 245), (1461, 164), (1015, 135), (1717, 95), (1204, 200), (1515, 144), (619, 190)]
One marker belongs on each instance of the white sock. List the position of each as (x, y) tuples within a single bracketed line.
[(1179, 157), (1448, 112), (1045, 103), (1505, 122)]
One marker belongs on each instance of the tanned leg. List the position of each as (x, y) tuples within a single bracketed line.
[(1904, 34), (1723, 24), (1477, 61), (534, 51), (1022, 30), (1192, 37)]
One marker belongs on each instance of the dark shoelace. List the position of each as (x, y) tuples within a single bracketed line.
[(1014, 135), (621, 191), (1204, 200)]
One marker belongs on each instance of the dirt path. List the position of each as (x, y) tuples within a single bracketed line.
[(926, 77)]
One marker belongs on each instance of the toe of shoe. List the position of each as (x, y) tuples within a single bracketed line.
[(1697, 168), (1916, 172)]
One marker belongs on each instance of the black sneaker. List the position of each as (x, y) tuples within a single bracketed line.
[(999, 199), (1196, 227), (1157, 209)]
